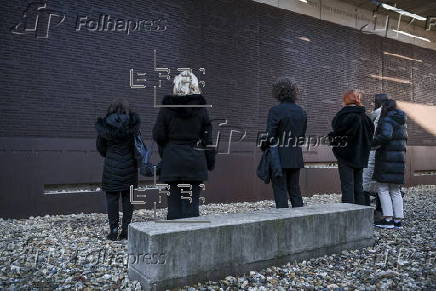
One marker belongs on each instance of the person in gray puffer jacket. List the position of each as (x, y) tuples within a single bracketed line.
[(369, 184)]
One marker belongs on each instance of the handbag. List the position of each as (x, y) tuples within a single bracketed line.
[(210, 158), (143, 157), (209, 152), (262, 170)]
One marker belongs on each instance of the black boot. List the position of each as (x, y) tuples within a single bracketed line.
[(367, 198), (113, 234), (124, 234)]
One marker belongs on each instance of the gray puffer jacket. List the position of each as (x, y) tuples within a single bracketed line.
[(369, 184)]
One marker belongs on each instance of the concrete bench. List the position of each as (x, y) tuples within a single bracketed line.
[(168, 255)]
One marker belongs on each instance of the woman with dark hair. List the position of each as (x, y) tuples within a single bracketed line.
[(286, 126), (116, 144), (352, 125), (391, 137), (182, 131)]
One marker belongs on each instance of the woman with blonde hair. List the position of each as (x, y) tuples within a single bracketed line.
[(181, 126), (352, 125)]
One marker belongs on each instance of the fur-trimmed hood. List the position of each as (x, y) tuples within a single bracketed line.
[(351, 109), (118, 126), (185, 112)]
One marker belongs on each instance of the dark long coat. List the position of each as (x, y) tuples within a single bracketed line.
[(115, 144), (177, 131), (287, 122), (355, 129), (269, 166), (390, 158)]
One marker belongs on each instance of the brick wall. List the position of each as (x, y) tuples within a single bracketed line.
[(56, 87)]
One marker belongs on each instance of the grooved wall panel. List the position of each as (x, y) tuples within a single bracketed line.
[(57, 86), (55, 82)]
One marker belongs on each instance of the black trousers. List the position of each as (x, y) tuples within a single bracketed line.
[(112, 199), (351, 184), (181, 203), (288, 184), (367, 198)]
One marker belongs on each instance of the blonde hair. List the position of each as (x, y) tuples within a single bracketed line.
[(352, 97), (186, 83)]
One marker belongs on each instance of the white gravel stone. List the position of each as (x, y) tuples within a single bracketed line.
[(71, 252)]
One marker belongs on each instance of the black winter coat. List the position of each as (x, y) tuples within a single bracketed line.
[(269, 166), (391, 136), (115, 143), (352, 134), (287, 122), (177, 131)]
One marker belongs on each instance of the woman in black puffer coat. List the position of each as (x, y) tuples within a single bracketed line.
[(390, 158), (179, 130), (116, 144)]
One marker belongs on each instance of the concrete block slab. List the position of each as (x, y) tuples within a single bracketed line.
[(168, 255)]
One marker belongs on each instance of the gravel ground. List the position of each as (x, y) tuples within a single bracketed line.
[(71, 252)]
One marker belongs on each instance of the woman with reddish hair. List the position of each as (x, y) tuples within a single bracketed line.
[(355, 129)]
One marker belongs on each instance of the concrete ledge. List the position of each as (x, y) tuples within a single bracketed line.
[(168, 255)]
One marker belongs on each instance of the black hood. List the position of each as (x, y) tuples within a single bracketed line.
[(351, 109), (184, 112), (347, 110), (118, 126), (398, 116)]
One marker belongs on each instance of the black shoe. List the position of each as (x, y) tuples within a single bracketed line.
[(398, 224), (123, 235), (385, 224), (113, 234)]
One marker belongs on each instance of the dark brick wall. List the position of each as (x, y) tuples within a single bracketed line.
[(53, 89), (56, 87)]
